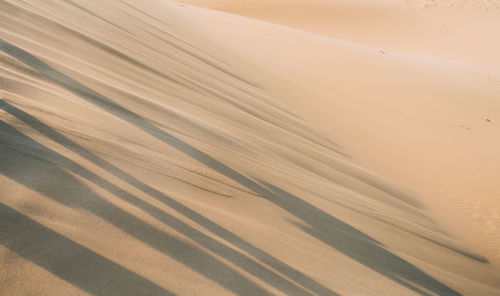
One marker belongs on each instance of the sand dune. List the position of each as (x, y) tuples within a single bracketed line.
[(426, 122), (156, 148)]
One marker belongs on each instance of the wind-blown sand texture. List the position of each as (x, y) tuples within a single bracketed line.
[(159, 148)]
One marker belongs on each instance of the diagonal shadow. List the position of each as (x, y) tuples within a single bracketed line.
[(363, 246), (356, 244), (69, 260), (285, 269), (109, 212)]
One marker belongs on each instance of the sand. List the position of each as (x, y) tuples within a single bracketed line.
[(159, 148)]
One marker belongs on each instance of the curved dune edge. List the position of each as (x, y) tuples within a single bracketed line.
[(458, 30), (140, 157)]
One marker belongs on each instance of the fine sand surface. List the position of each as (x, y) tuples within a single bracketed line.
[(158, 148)]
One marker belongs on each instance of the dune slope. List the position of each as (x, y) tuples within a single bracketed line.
[(429, 122), (141, 154)]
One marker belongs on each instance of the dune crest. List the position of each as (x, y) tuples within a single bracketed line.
[(459, 30)]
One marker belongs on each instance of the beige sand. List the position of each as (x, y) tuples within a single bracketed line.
[(460, 30), (154, 148)]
